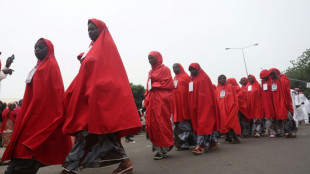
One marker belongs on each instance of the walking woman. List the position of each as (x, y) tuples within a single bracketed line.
[(158, 106), (254, 103), (100, 108), (203, 109), (37, 138), (184, 137), (228, 107)]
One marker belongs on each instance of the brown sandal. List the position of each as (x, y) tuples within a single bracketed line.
[(198, 150)]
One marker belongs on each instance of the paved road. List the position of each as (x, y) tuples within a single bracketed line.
[(253, 156)]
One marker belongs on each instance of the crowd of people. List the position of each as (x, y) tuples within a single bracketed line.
[(202, 112), (98, 109)]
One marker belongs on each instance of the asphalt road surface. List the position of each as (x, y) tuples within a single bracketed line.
[(252, 156)]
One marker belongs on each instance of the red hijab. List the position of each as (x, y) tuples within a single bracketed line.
[(102, 100), (281, 98), (266, 95), (254, 99), (203, 107), (37, 132), (180, 108), (234, 83), (228, 108), (158, 103)]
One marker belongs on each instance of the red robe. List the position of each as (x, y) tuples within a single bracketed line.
[(202, 103), (100, 100), (180, 105), (158, 104), (228, 108), (266, 96), (281, 98), (37, 133), (242, 101), (254, 100), (234, 83)]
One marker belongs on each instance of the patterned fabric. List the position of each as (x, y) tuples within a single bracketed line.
[(245, 126), (7, 132), (93, 151), (286, 126), (184, 135), (257, 125), (205, 140), (271, 126)]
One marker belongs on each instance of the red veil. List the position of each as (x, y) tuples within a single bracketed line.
[(228, 108), (180, 106), (158, 104), (266, 96), (38, 130), (203, 107), (254, 99), (101, 101), (282, 100)]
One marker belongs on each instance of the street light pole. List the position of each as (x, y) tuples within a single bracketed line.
[(246, 69)]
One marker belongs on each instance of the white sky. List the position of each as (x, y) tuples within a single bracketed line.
[(182, 31)]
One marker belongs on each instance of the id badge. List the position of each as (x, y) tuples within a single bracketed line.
[(149, 85), (175, 83), (274, 87), (30, 75), (191, 86), (222, 94), (265, 87), (250, 88)]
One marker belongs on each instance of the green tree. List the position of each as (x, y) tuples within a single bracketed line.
[(300, 70), (138, 94)]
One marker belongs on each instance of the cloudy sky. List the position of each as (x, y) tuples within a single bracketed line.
[(183, 31)]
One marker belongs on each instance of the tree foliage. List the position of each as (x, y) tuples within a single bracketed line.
[(300, 70), (138, 94)]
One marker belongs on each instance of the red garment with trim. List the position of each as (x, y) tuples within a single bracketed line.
[(281, 99), (202, 103), (158, 104), (102, 101), (266, 96), (38, 130), (254, 99), (180, 105), (5, 116), (228, 108), (242, 102)]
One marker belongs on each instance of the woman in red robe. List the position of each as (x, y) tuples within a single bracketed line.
[(228, 108), (38, 130), (203, 109), (282, 103), (100, 107), (183, 131), (267, 105), (244, 117), (254, 103), (158, 106)]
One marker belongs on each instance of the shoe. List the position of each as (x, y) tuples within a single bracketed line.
[(198, 150), (213, 145), (293, 135), (125, 167), (257, 135), (272, 136), (159, 156)]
